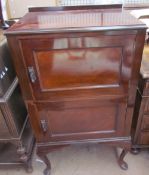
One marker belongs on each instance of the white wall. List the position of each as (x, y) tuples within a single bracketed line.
[(17, 8)]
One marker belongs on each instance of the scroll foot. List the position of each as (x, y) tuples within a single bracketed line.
[(45, 159), (121, 162), (47, 171)]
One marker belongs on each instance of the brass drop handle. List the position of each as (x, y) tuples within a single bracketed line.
[(44, 125), (32, 74)]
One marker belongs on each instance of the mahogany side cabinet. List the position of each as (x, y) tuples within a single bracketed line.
[(140, 126), (78, 71)]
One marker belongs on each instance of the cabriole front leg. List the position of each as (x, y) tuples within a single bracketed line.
[(121, 161), (43, 156), (42, 152)]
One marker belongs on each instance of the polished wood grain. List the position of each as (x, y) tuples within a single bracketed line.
[(64, 67), (145, 123), (77, 20), (141, 117), (143, 138), (73, 64), (90, 120), (140, 125), (107, 7), (78, 74)]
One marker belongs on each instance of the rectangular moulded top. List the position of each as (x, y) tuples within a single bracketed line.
[(75, 21)]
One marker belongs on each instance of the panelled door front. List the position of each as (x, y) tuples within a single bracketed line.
[(78, 65), (80, 83)]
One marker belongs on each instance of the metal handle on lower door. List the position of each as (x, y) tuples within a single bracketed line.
[(32, 74), (44, 125)]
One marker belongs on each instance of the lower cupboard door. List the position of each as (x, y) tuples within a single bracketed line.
[(86, 119)]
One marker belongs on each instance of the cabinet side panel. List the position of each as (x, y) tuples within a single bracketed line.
[(19, 64), (138, 50)]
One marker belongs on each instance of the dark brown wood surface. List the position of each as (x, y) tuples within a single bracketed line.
[(78, 79), (69, 66), (107, 7), (140, 127), (141, 117), (75, 20)]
